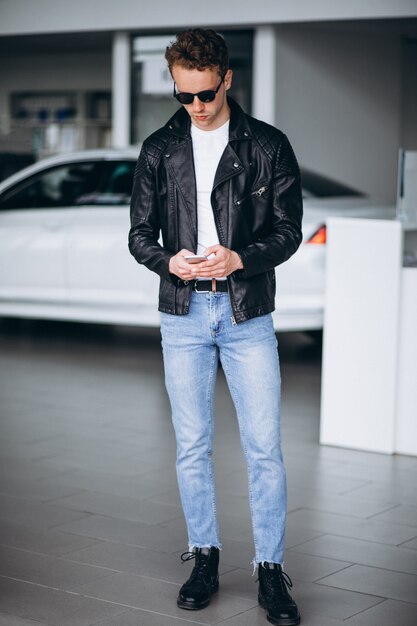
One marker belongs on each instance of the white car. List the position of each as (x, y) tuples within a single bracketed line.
[(64, 224)]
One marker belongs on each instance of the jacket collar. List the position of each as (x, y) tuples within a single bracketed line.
[(180, 123)]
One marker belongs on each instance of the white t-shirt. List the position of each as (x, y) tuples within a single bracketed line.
[(208, 147)]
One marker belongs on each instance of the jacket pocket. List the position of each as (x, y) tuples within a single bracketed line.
[(167, 291), (258, 192)]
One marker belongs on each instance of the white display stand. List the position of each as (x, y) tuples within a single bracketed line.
[(369, 380)]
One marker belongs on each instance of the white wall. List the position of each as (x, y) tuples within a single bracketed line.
[(42, 16), (54, 72), (339, 101)]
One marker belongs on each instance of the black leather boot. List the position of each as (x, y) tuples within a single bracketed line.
[(273, 595), (204, 580)]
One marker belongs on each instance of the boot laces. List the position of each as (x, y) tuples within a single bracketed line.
[(201, 567), (277, 581)]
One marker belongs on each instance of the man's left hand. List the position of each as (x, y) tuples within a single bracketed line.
[(223, 263)]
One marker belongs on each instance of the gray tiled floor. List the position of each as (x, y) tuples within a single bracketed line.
[(90, 523)]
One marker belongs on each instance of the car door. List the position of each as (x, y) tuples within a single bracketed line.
[(35, 214), (105, 282)]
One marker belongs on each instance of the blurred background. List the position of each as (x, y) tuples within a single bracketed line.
[(91, 526), (340, 80)]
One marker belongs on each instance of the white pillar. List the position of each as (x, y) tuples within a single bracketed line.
[(264, 74), (121, 90)]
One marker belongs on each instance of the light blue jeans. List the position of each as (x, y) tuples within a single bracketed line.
[(192, 345)]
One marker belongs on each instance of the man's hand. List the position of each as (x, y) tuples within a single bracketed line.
[(179, 266), (223, 263)]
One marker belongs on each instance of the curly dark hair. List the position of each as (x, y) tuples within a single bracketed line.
[(200, 49)]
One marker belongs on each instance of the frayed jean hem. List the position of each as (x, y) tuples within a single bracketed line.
[(256, 563), (192, 546)]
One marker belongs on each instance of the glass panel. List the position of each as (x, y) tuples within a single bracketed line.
[(84, 183), (58, 186), (47, 123), (152, 86), (115, 185)]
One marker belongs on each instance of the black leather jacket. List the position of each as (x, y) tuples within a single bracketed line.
[(256, 200)]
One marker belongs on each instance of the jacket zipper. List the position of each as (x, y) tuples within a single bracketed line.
[(258, 193), (223, 243)]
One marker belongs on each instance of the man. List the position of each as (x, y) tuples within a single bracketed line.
[(218, 183)]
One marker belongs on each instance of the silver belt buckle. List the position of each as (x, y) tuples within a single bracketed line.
[(198, 290)]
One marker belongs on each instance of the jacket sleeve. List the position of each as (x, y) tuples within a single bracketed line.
[(144, 221), (287, 206)]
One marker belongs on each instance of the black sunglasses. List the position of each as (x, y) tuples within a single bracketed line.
[(207, 95)]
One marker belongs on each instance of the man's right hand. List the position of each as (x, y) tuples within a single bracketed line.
[(179, 266)]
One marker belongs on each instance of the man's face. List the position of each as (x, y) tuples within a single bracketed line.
[(204, 115)]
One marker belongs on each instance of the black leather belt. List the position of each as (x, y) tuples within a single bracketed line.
[(213, 285)]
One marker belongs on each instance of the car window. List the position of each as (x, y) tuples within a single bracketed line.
[(55, 187), (73, 184), (115, 186)]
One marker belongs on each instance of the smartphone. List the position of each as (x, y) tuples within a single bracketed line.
[(195, 258)]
